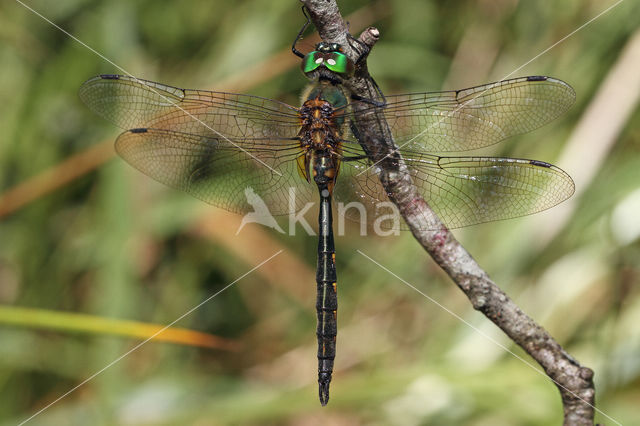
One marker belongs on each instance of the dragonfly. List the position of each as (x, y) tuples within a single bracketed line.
[(216, 146)]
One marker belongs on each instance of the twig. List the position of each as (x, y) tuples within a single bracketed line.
[(574, 382)]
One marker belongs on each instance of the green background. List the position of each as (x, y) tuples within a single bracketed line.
[(114, 245)]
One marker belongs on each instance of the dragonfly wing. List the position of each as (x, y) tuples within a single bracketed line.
[(241, 175), (473, 118), (134, 103), (465, 191)]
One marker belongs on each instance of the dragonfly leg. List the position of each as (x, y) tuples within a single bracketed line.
[(299, 36), (373, 102)]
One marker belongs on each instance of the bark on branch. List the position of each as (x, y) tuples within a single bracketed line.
[(574, 381)]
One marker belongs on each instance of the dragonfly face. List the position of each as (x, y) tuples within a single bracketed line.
[(216, 145), (327, 62)]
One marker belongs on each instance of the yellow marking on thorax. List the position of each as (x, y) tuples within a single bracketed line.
[(317, 137)]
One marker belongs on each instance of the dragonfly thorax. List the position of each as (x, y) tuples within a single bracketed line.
[(320, 138), (320, 129)]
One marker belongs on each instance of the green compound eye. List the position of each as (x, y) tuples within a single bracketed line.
[(312, 61), (333, 61), (337, 62)]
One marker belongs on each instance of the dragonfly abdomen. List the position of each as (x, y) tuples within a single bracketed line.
[(320, 138), (327, 297)]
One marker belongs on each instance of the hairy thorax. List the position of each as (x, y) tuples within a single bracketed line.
[(319, 130)]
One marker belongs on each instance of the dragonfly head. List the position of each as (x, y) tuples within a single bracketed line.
[(329, 62)]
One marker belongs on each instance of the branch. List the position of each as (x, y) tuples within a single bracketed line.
[(574, 382)]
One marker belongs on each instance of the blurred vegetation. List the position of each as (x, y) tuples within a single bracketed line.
[(111, 244)]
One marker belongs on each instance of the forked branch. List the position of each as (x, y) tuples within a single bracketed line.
[(574, 381)]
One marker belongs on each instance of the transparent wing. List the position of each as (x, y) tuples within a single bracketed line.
[(461, 190), (238, 152), (133, 103), (473, 118), (216, 171)]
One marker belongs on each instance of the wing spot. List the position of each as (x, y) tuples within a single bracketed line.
[(539, 163)]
